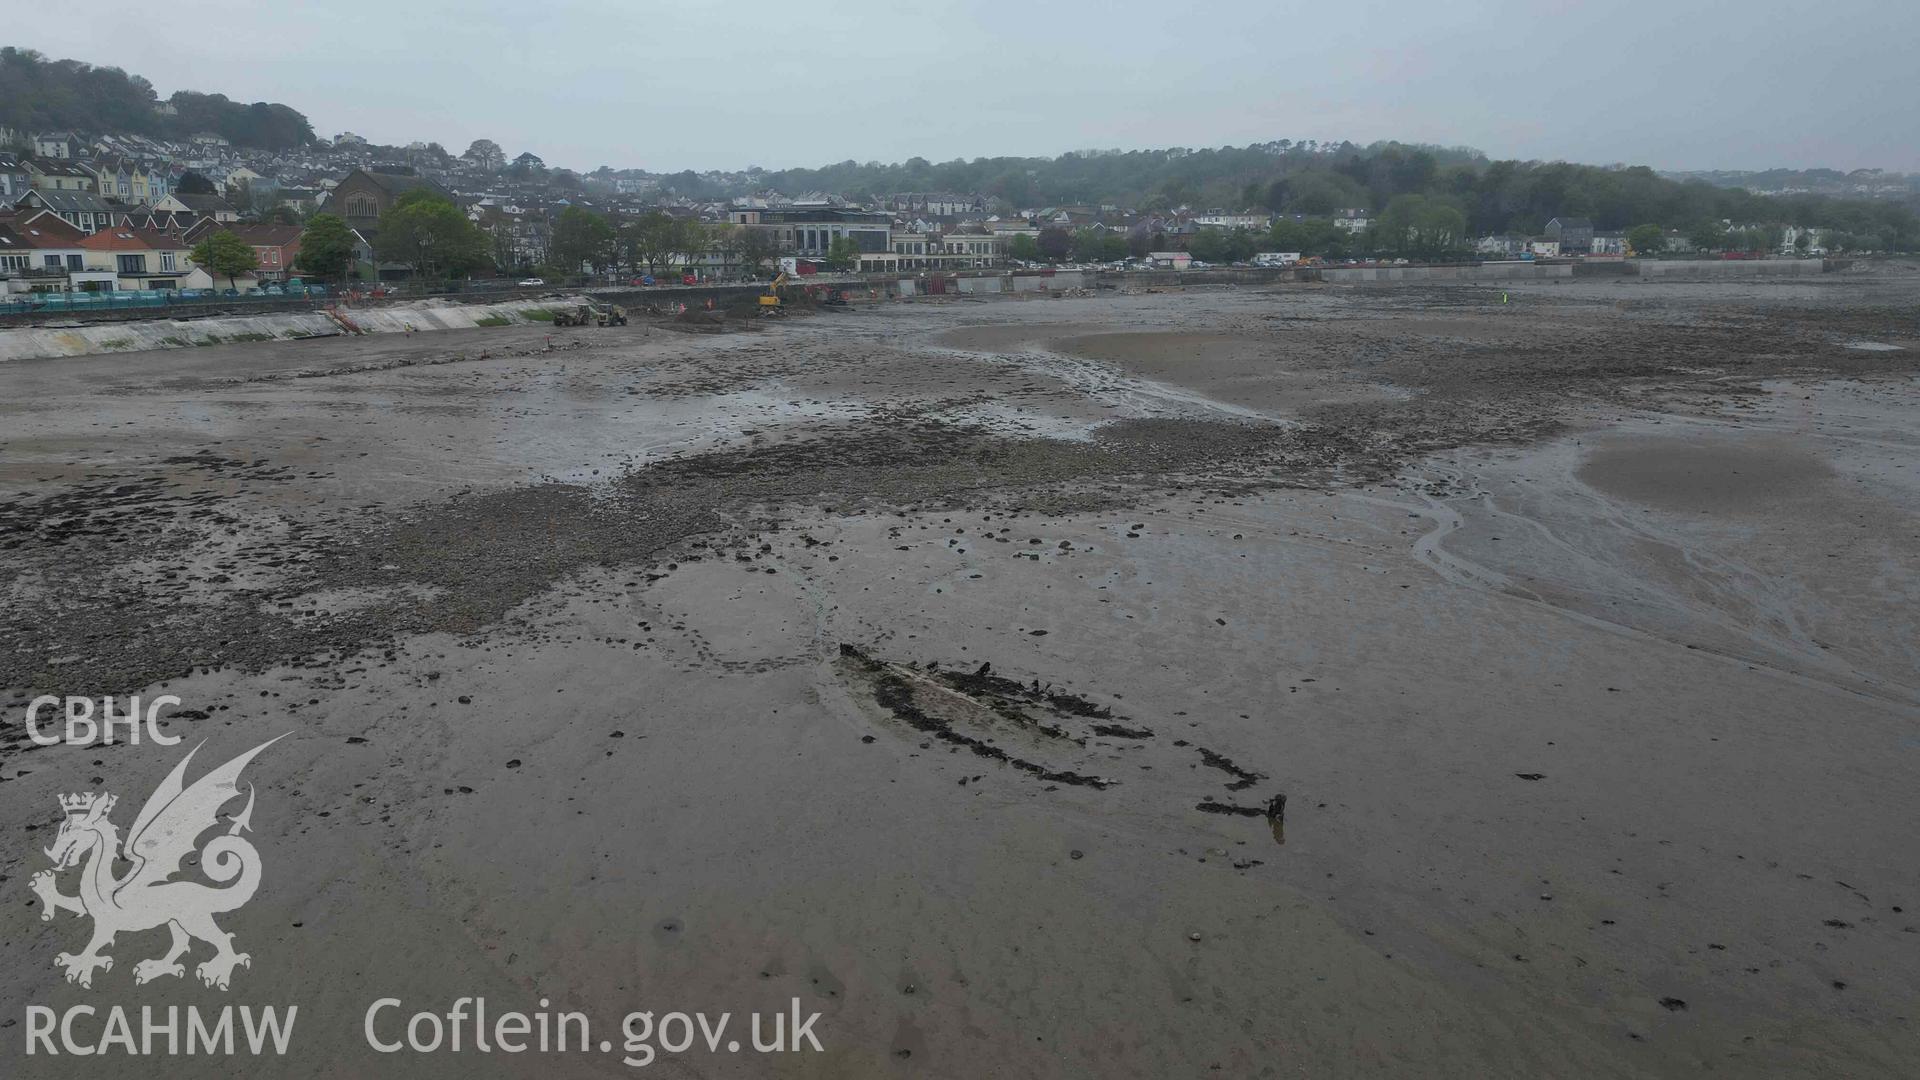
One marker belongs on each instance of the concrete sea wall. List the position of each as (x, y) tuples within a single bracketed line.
[(1672, 269), (1517, 271), (37, 342), (87, 337), (1728, 268), (981, 283)]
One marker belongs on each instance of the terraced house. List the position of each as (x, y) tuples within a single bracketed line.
[(16, 257), (14, 178), (81, 209), (137, 258), (48, 174), (211, 207), (275, 246), (127, 180), (112, 178), (64, 145), (52, 248)]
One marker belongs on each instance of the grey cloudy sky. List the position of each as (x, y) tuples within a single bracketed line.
[(1677, 84)]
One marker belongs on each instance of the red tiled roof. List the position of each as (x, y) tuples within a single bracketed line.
[(132, 239), (266, 235), (42, 229)]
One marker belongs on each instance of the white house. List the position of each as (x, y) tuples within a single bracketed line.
[(1816, 240), (241, 177), (1608, 243), (1219, 219), (60, 145), (1501, 245), (81, 209), (15, 179), (55, 243)]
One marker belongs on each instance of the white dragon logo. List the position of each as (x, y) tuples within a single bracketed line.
[(164, 835)]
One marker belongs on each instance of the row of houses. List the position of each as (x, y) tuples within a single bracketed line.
[(110, 177), (516, 206), (1577, 237), (1562, 237), (139, 252), (89, 182), (138, 249), (108, 213)]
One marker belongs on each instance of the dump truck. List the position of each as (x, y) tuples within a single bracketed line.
[(589, 315)]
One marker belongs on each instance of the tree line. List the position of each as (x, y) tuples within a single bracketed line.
[(657, 241), (1424, 227), (1316, 180), (1430, 204), (38, 94), (427, 232)]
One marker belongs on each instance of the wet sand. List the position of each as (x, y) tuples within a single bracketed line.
[(1719, 475), (1247, 370), (1578, 634)]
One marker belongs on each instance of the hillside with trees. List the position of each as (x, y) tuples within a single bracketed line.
[(1149, 179), (1424, 199), (1864, 183), (1318, 179), (38, 94)]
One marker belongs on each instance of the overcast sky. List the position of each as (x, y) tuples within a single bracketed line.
[(1677, 84)]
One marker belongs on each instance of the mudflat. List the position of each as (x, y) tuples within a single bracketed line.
[(1725, 475), (1296, 681)]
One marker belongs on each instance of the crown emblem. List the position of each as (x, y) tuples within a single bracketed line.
[(78, 803)]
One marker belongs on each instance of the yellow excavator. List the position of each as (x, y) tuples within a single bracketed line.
[(770, 300)]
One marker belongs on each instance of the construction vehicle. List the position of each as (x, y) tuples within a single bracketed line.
[(580, 316), (770, 300), (613, 315)]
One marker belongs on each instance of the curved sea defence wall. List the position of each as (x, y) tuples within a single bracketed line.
[(87, 339)]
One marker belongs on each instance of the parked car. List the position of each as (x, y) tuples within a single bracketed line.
[(532, 282)]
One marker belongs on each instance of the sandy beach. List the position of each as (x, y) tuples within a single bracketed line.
[(943, 666)]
